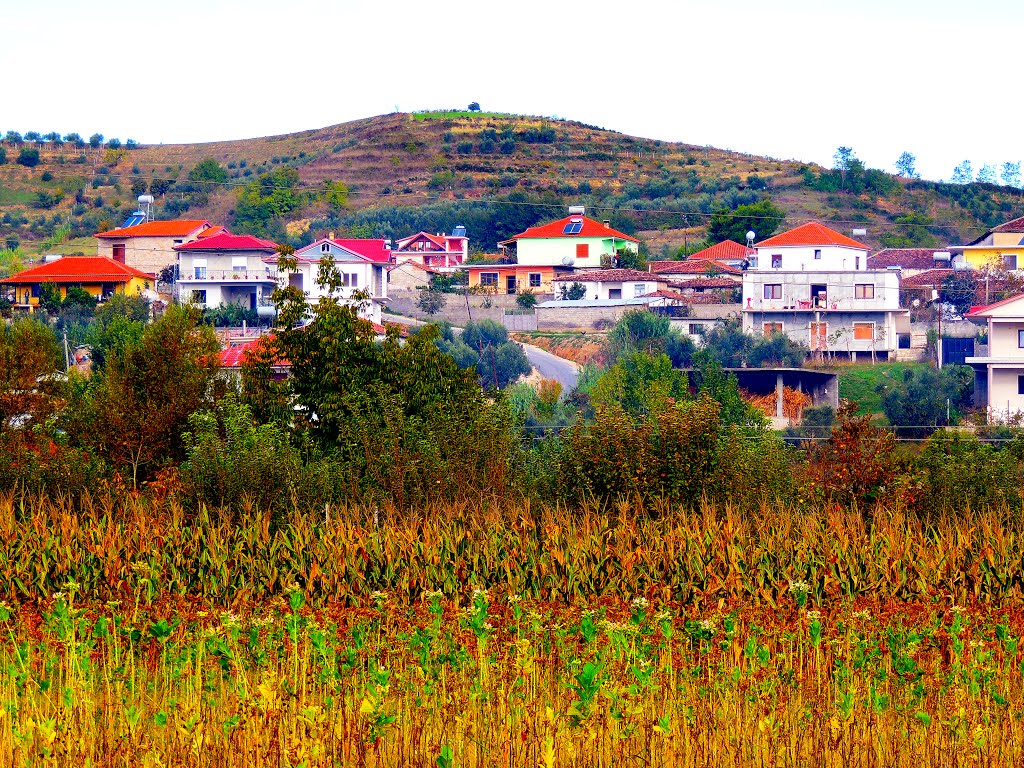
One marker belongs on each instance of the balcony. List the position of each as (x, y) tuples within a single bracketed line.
[(229, 275)]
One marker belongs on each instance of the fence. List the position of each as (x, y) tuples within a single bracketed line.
[(520, 319)]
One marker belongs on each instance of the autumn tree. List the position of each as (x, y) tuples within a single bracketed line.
[(135, 411)]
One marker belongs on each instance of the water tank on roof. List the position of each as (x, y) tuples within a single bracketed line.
[(52, 257), (941, 256), (577, 210), (459, 231)]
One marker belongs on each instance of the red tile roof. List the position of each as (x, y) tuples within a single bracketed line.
[(727, 249), (234, 357), (212, 231), (590, 228), (706, 282), (370, 249), (931, 278), (698, 267), (812, 233), (181, 228), (663, 294), (907, 258), (611, 276), (228, 242), (79, 269), (980, 311), (1014, 226)]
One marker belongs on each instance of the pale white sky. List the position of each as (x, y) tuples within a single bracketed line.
[(788, 79)]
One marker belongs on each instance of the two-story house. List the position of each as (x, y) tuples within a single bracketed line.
[(999, 375), (227, 269), (532, 259), (361, 264), (150, 246), (812, 283), (1001, 247), (440, 250)]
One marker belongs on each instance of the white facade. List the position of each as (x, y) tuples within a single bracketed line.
[(816, 258), (999, 375), (358, 273), (832, 312), (612, 289), (579, 252), (213, 278)]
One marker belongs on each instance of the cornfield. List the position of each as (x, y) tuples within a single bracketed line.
[(141, 633)]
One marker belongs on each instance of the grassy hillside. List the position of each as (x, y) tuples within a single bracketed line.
[(432, 170)]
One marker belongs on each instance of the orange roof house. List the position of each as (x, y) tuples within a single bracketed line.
[(99, 276), (573, 241), (150, 246)]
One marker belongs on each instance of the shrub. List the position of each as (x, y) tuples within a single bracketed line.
[(28, 157)]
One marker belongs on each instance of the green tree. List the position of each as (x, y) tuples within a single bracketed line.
[(1010, 174), (76, 296), (640, 382), (960, 290), (761, 217), (905, 166), (136, 410), (526, 299), (963, 173), (75, 140), (266, 200), (335, 194), (96, 140), (13, 137), (911, 230), (28, 157), (987, 174), (430, 300), (208, 170), (29, 355), (573, 292), (916, 402)]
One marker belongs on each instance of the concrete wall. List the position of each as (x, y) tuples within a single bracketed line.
[(579, 318), (403, 302)]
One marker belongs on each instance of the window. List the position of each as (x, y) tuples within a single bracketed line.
[(199, 297), (856, 262), (1020, 339), (864, 291), (354, 280), (119, 252), (752, 260), (640, 289), (614, 293), (817, 254), (535, 279), (819, 336), (200, 272), (694, 329), (1009, 261), (325, 248), (488, 278), (238, 264), (1020, 385), (574, 227), (178, 242), (773, 291), (582, 250), (770, 328), (776, 261), (863, 331)]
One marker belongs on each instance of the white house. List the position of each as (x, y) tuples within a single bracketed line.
[(999, 375), (844, 312), (809, 247), (362, 265), (227, 269), (438, 250), (609, 284), (574, 241)]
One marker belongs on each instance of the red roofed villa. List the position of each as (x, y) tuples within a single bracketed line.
[(574, 241), (810, 247), (149, 246), (99, 276), (228, 269)]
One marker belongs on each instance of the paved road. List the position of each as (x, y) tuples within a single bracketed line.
[(551, 366)]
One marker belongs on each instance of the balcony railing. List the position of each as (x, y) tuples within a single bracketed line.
[(225, 275)]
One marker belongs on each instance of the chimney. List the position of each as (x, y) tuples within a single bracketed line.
[(330, 235), (607, 223)]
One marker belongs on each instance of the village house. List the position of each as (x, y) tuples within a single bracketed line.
[(910, 261), (440, 250), (999, 375), (575, 241), (150, 246), (695, 268), (362, 265), (611, 284), (227, 269), (1001, 248), (513, 278), (409, 276), (812, 283), (98, 276)]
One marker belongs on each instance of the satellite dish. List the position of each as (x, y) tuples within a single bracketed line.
[(568, 260)]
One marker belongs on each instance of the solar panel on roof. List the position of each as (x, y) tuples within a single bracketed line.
[(574, 227), (134, 220)]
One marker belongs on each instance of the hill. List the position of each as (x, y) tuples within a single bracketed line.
[(397, 173)]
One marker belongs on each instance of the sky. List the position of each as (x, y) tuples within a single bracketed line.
[(791, 79)]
